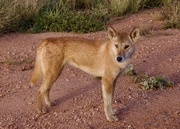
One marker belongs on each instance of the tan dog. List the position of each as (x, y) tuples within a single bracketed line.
[(105, 59)]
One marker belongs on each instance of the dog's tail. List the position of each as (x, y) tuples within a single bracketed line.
[(37, 69)]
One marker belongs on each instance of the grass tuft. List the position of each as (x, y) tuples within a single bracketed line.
[(146, 82), (10, 61), (16, 62), (17, 15), (172, 14)]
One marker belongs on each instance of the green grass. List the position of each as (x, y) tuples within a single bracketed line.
[(172, 14), (16, 62), (77, 21), (157, 3), (147, 82), (9, 61), (15, 13), (79, 16)]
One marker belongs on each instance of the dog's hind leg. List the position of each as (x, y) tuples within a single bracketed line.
[(49, 77), (43, 92)]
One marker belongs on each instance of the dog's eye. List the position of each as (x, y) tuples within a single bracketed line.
[(116, 45), (126, 46)]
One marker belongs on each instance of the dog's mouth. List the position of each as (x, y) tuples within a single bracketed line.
[(120, 59)]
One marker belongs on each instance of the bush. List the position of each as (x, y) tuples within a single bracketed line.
[(157, 3), (72, 15), (77, 21), (121, 7), (172, 14), (17, 15)]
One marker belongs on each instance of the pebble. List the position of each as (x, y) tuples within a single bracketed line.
[(178, 113), (129, 126), (55, 113), (30, 103)]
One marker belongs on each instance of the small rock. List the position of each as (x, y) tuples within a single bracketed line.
[(55, 113), (170, 60), (30, 103), (178, 113), (1, 95)]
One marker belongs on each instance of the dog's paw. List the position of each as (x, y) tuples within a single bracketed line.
[(53, 103), (42, 111), (50, 103), (115, 112), (113, 119)]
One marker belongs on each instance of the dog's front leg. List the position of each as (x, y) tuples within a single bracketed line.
[(108, 91)]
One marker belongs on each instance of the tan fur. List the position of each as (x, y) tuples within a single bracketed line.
[(105, 59)]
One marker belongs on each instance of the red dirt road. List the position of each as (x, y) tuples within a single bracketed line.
[(78, 95)]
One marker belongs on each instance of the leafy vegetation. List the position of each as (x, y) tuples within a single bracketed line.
[(157, 3), (146, 82), (80, 22), (16, 15), (75, 15), (172, 14)]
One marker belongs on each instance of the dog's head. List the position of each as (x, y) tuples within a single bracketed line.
[(123, 44)]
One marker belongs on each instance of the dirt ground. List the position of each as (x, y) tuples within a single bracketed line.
[(78, 95)]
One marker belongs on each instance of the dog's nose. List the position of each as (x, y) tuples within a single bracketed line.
[(119, 58)]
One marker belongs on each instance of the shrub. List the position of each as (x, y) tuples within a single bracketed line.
[(156, 3), (77, 21), (134, 6), (72, 15), (171, 12), (146, 82), (120, 7), (17, 15)]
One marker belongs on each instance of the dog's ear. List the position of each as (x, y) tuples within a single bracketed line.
[(111, 32), (135, 34)]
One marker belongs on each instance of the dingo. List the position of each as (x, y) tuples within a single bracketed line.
[(105, 59)]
